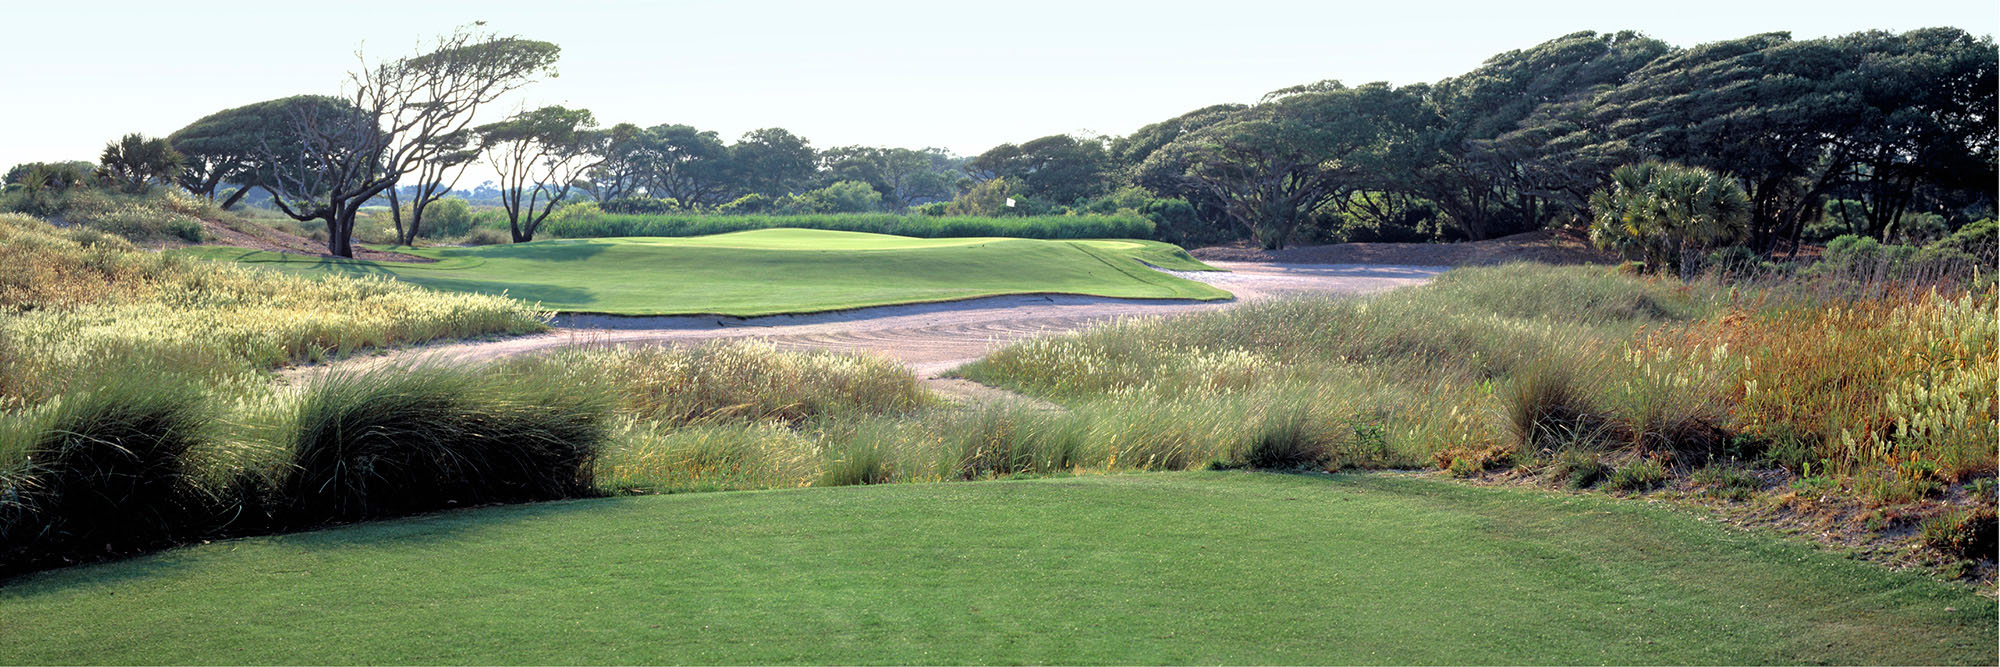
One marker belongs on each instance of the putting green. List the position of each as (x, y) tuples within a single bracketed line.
[(771, 271), (1182, 568)]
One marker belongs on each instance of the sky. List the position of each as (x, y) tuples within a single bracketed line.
[(959, 76)]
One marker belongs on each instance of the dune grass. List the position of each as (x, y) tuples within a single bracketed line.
[(766, 272), (1156, 568), (78, 303)]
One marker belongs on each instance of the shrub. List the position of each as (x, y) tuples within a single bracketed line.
[(1964, 532), (1639, 475), (101, 470), (841, 197), (708, 457), (1288, 438), (750, 203), (1724, 481), (1471, 460), (43, 189), (640, 206), (443, 218), (400, 440), (484, 236), (1891, 487), (1579, 469)]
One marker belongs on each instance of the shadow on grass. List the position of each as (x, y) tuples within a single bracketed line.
[(415, 530)]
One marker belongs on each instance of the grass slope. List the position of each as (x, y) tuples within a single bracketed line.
[(773, 271), (1154, 568)]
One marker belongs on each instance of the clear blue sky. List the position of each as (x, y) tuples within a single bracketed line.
[(962, 76)]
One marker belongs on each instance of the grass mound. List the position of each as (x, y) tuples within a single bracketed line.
[(772, 271)]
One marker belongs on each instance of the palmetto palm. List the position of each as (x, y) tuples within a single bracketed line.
[(1667, 214)]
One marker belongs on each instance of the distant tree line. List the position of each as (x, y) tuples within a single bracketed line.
[(1873, 133)]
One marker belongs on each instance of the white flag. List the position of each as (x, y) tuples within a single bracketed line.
[(1010, 202)]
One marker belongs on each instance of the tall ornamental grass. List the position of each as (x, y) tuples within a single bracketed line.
[(103, 470), (400, 440)]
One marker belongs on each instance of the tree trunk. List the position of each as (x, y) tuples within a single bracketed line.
[(235, 197), (396, 214), (340, 229)]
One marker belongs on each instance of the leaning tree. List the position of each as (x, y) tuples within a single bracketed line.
[(238, 146), (402, 114)]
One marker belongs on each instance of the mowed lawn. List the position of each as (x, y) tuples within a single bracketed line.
[(1202, 567), (772, 271)]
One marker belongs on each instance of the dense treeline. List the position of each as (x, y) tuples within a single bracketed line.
[(1875, 130), (1877, 134)]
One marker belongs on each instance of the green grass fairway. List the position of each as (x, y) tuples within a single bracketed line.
[(1157, 568), (773, 271)]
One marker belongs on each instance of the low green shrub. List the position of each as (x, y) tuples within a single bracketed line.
[(650, 458), (1579, 468), (485, 236), (1966, 532), (1727, 481), (729, 381), (1469, 461), (1639, 475), (1893, 487)]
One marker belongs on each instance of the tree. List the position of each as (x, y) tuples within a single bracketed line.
[(771, 162), (1059, 168), (689, 166), (1667, 214), (1273, 165), (903, 176), (627, 149), (1881, 118), (539, 155), (1499, 164), (397, 114), (1129, 152), (229, 146), (135, 162)]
